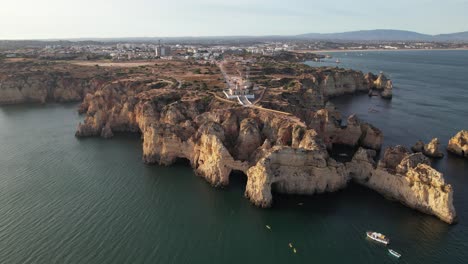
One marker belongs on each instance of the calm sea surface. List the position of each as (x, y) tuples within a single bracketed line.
[(65, 200)]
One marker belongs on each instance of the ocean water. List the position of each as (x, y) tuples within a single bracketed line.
[(69, 200)]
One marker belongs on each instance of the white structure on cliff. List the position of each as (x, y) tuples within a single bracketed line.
[(163, 51), (236, 91)]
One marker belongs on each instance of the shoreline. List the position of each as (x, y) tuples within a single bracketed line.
[(374, 50)]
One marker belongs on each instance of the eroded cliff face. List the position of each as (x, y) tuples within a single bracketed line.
[(343, 82), (40, 88), (458, 144), (382, 84), (407, 178), (328, 124), (44, 81), (349, 82), (431, 149), (278, 152), (293, 171)]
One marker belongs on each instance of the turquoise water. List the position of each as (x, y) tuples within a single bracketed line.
[(66, 200)]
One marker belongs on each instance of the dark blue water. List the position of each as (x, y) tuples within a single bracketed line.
[(65, 200)]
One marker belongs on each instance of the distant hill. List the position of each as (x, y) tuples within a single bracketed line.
[(376, 35), (460, 36), (385, 35)]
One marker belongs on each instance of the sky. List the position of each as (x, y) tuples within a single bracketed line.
[(45, 19)]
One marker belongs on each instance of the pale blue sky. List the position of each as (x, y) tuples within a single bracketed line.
[(28, 19)]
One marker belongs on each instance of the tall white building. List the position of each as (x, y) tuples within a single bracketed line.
[(163, 51)]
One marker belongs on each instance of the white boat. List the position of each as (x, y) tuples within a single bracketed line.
[(394, 253), (378, 237)]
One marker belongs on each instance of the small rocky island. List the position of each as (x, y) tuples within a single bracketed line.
[(458, 144), (273, 123)]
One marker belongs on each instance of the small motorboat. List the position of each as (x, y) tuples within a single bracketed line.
[(268, 227), (290, 245), (394, 253), (378, 237)]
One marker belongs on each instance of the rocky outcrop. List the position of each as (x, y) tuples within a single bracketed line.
[(329, 126), (407, 178), (381, 84), (41, 87), (249, 138), (418, 146), (293, 171), (277, 151), (343, 82), (459, 144), (385, 85), (430, 149), (335, 82)]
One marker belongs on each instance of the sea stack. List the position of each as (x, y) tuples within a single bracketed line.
[(430, 149), (459, 144)]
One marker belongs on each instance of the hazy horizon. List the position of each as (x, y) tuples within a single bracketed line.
[(66, 19)]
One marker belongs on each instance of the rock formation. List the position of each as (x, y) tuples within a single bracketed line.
[(329, 126), (430, 149), (293, 171), (40, 82), (418, 146), (459, 144), (276, 152), (380, 83), (279, 152), (407, 178), (341, 82)]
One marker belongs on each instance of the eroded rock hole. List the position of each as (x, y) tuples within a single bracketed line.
[(238, 180), (182, 162), (342, 153)]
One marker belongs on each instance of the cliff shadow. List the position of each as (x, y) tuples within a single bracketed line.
[(342, 153), (237, 181), (182, 162)]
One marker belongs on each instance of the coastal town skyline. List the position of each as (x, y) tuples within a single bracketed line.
[(111, 19)]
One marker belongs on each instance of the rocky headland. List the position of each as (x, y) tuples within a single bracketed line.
[(282, 152), (43, 81), (407, 178), (283, 143)]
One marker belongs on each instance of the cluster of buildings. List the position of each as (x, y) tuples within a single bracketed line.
[(92, 50)]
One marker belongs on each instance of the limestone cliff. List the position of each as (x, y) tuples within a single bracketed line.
[(278, 152), (328, 124), (293, 171), (407, 178), (40, 82), (342, 82), (42, 88), (430, 149), (458, 144)]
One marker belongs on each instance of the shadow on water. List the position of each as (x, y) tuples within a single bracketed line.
[(237, 181)]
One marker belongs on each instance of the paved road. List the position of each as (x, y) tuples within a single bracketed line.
[(244, 101)]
